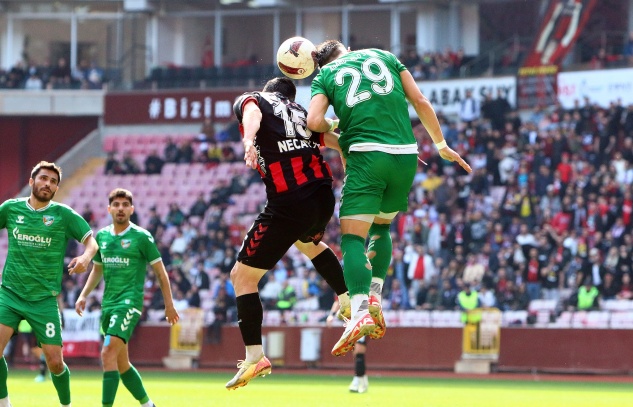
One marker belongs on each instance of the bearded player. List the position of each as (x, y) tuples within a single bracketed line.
[(39, 230)]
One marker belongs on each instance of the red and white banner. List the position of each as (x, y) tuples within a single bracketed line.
[(563, 23), (81, 335)]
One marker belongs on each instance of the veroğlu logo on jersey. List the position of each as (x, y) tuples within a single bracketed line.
[(116, 260), (48, 220), (31, 238)]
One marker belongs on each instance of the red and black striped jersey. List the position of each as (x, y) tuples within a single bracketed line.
[(289, 160)]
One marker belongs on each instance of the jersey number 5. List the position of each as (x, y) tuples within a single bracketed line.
[(382, 81)]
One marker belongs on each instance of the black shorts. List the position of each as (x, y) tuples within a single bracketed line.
[(279, 226)]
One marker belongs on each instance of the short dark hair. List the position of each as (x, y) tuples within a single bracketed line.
[(47, 166), (328, 51), (282, 85), (120, 193)]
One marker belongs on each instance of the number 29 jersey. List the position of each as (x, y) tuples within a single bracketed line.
[(365, 90), (289, 160)]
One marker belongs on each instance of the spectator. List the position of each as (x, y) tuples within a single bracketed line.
[(626, 288), (129, 164), (223, 304), (587, 297), (430, 300), (398, 297), (270, 291), (112, 165), (287, 297), (153, 163), (175, 217), (61, 75), (34, 82), (171, 153), (469, 111), (487, 297), (609, 289), (199, 207), (448, 296), (185, 152)]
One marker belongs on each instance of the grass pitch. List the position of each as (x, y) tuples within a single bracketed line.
[(199, 389)]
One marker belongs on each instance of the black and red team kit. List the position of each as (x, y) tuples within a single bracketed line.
[(298, 181)]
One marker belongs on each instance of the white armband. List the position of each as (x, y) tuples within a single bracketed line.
[(442, 144)]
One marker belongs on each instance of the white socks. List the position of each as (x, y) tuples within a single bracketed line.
[(149, 403), (357, 301), (254, 353), (5, 402), (376, 287)]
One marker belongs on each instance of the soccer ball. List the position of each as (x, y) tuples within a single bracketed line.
[(296, 58)]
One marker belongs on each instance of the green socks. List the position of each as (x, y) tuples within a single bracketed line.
[(356, 266), (62, 385), (4, 372), (379, 249), (109, 388), (132, 381)]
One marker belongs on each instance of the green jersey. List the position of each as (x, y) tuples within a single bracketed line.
[(37, 246), (366, 92), (124, 258)]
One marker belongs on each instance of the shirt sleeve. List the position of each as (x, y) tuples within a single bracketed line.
[(238, 106), (97, 259), (4, 208), (393, 60), (77, 228), (148, 248), (318, 86)]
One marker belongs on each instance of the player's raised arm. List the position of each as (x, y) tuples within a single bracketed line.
[(93, 280), (171, 315), (316, 114), (251, 121), (80, 264), (426, 113)]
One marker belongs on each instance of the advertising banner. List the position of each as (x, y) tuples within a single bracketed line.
[(81, 335), (602, 87)]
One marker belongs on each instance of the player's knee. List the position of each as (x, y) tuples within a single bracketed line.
[(55, 364), (108, 355)]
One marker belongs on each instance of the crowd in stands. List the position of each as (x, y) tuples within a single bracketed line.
[(430, 66), (546, 214), (32, 76)]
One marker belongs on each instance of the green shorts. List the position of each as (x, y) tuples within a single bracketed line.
[(120, 321), (42, 315), (377, 182)]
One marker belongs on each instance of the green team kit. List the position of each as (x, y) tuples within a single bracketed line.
[(380, 179), (32, 275), (124, 259)]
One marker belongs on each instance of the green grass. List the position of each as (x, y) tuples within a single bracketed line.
[(180, 389)]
